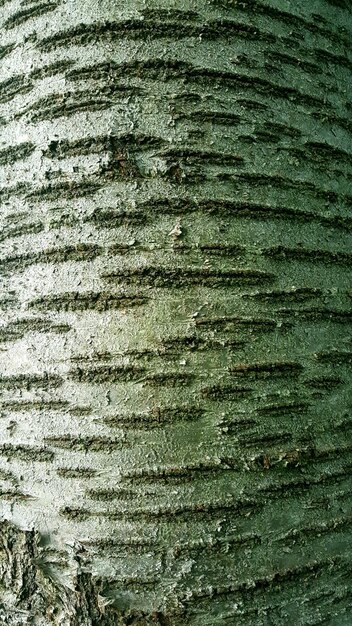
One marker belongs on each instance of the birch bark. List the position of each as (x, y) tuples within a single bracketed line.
[(175, 211)]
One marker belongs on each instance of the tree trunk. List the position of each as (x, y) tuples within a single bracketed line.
[(175, 330)]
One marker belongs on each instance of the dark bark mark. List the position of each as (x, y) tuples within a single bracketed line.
[(13, 86), (5, 50), (290, 409), (254, 7), (331, 57), (105, 143), (195, 157), (14, 495), (25, 453), (228, 208), (80, 410), (108, 373), (76, 472), (18, 231), (169, 379), (111, 218), (315, 256), (178, 473), (266, 370), (71, 102), (55, 191), (52, 191), (157, 418), (325, 152), (230, 323), (30, 381), (75, 301), (333, 120), (160, 69), (16, 153), (248, 440), (342, 4), (284, 183), (178, 277), (179, 345), (311, 68), (200, 510), (324, 382), (309, 570), (78, 252), (36, 405), (214, 117), (85, 34), (7, 303), (302, 485), (91, 444), (335, 356), (225, 392), (58, 67), (303, 533), (26, 14), (129, 373), (19, 328)]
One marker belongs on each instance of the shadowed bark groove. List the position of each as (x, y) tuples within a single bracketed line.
[(175, 298)]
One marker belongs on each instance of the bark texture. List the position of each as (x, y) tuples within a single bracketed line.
[(175, 209)]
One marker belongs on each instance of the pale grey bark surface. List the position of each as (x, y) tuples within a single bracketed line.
[(175, 256)]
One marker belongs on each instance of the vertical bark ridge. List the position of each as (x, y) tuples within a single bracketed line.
[(175, 260)]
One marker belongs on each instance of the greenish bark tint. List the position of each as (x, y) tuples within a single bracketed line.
[(175, 298)]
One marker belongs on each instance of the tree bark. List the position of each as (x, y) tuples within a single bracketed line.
[(175, 312)]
